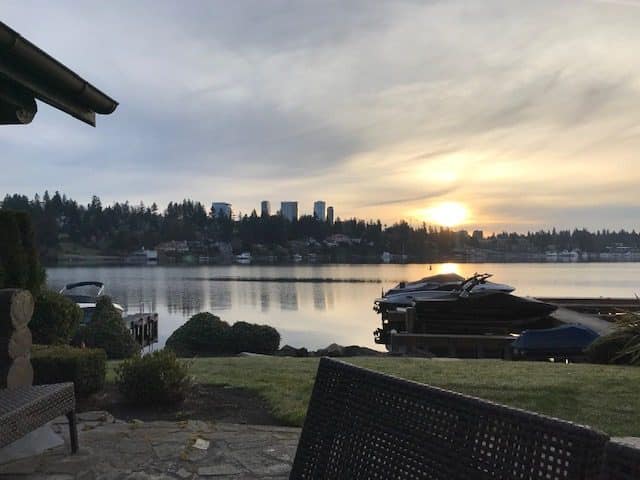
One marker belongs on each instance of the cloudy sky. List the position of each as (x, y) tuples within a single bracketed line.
[(513, 115)]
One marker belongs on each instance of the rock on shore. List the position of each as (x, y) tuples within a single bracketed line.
[(333, 350)]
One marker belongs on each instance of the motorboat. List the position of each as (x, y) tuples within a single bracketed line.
[(86, 295), (438, 287), (465, 310), (143, 326)]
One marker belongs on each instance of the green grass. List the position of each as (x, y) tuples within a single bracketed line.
[(602, 396)]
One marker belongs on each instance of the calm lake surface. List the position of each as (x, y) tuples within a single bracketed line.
[(313, 306)]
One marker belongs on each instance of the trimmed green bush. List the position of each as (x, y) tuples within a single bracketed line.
[(106, 330), (85, 367), (249, 337), (19, 260), (55, 319), (204, 334), (156, 378)]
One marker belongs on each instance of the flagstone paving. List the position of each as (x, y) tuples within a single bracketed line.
[(114, 450)]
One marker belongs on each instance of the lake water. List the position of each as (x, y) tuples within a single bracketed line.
[(314, 306)]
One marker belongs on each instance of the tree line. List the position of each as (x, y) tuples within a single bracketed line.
[(120, 228)]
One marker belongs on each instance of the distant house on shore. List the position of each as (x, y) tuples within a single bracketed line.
[(173, 246), (143, 257)]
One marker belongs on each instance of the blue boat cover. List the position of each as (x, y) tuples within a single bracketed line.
[(564, 337)]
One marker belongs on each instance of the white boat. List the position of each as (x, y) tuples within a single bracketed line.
[(244, 258), (86, 295), (296, 257), (142, 326)]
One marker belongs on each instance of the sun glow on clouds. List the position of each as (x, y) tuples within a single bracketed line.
[(446, 214)]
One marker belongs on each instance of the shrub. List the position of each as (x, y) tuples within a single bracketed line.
[(84, 367), (154, 378), (249, 337), (19, 260), (203, 334), (606, 348), (106, 330), (622, 346), (55, 319)]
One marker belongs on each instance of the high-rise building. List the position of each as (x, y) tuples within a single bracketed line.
[(222, 209), (478, 235), (330, 215), (319, 210), (265, 208), (289, 210)]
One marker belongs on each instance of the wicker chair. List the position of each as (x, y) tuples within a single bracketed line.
[(621, 462), (365, 425), (24, 409)]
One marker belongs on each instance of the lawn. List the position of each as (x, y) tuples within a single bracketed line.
[(602, 396)]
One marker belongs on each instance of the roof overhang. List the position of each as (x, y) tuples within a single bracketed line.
[(28, 73)]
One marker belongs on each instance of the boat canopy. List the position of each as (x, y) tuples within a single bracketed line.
[(71, 290)]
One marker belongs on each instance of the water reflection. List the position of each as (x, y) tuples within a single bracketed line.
[(187, 301), (265, 297), (319, 296), (288, 293), (220, 296)]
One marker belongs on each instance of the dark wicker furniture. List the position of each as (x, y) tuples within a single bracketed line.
[(621, 462), (365, 425), (24, 409)]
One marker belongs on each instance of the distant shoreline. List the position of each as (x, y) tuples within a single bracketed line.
[(119, 262)]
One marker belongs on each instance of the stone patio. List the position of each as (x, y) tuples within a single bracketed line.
[(114, 450)]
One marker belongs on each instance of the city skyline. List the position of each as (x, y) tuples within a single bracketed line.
[(319, 209)]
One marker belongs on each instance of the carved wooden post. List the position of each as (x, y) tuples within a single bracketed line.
[(16, 309)]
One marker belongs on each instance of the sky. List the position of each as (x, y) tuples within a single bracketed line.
[(499, 115)]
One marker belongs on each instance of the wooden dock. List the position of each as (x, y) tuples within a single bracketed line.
[(143, 328)]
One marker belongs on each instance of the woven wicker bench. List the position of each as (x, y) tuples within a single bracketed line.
[(621, 462), (365, 425), (26, 408)]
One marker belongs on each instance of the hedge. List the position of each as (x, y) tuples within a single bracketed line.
[(19, 262), (205, 334), (55, 319), (85, 367), (249, 337)]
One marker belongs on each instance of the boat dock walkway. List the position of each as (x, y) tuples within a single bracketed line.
[(595, 313), (565, 315)]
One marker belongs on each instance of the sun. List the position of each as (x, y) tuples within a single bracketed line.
[(446, 214)]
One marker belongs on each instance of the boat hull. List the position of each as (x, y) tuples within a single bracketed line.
[(497, 313)]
